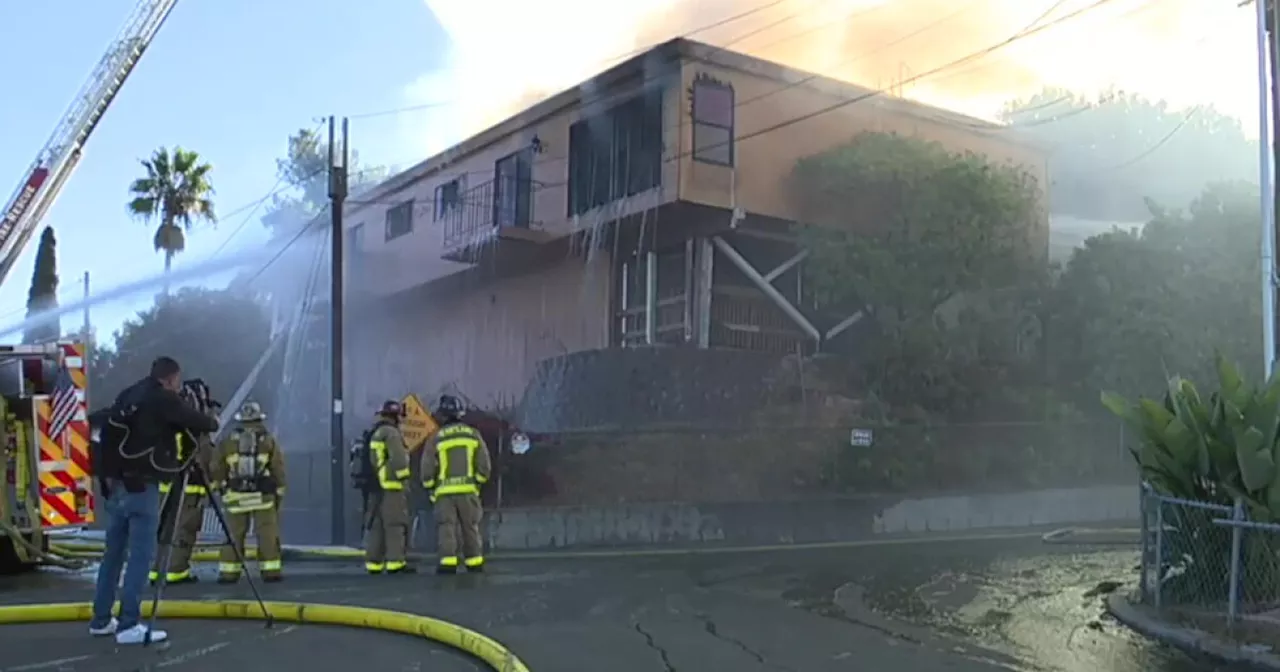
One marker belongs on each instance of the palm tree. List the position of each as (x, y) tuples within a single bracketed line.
[(176, 191)]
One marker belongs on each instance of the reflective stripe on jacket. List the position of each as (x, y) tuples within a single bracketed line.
[(195, 484), (389, 456), (250, 469), (459, 463)]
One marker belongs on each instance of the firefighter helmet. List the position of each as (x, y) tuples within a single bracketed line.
[(391, 409), (250, 411), (450, 408)]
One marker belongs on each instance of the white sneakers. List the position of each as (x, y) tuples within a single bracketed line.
[(138, 634), (108, 629), (135, 635)]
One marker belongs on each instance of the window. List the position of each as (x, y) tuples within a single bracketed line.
[(448, 198), (400, 220), (712, 122), (512, 196), (355, 250), (616, 154)]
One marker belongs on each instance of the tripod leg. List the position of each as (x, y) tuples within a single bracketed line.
[(162, 576), (220, 514)]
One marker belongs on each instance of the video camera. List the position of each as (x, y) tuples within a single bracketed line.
[(196, 392)]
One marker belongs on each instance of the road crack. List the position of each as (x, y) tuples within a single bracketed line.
[(710, 626), (653, 644)]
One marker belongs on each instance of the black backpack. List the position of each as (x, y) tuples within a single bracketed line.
[(364, 475)]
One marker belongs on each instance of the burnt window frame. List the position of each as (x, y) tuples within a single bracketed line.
[(631, 156), (699, 155), (401, 207)]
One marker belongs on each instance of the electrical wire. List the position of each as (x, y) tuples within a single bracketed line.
[(607, 98), (1159, 143), (275, 188), (1031, 29), (609, 61), (1035, 27)]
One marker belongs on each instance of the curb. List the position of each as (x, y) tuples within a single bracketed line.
[(1192, 641)]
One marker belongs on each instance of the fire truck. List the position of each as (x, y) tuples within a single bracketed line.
[(44, 432), (44, 447)]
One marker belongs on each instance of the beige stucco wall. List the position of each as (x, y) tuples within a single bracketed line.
[(486, 339)]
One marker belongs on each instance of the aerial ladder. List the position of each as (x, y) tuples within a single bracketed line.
[(57, 160), (46, 480)]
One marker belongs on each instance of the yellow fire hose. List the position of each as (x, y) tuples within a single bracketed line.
[(92, 550), (495, 655)]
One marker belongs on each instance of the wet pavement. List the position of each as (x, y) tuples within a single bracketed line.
[(964, 606)]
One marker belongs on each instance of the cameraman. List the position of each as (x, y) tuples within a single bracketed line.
[(150, 414)]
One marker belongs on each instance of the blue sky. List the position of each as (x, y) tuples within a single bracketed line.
[(231, 79)]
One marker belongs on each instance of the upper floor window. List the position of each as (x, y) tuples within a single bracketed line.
[(448, 198), (355, 246), (616, 154), (400, 220), (712, 122)]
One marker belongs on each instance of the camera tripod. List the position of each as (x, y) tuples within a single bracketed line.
[(180, 489)]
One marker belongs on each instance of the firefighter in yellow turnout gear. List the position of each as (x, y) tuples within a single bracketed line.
[(453, 469), (249, 472), (190, 516), (386, 547)]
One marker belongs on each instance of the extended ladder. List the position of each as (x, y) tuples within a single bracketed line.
[(57, 160)]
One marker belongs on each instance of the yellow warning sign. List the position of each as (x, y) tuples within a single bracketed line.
[(418, 425)]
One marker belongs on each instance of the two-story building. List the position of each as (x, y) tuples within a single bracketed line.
[(647, 206)]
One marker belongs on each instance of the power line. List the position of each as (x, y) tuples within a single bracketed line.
[(609, 61), (1161, 142), (1033, 28)]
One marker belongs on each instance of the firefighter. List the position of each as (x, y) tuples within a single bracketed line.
[(453, 469), (249, 472), (190, 516), (386, 549)]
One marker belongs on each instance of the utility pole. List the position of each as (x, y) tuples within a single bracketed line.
[(1268, 153), (338, 156)]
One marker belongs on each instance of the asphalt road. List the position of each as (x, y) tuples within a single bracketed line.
[(960, 606)]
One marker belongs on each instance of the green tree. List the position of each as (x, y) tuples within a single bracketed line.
[(215, 335), (1106, 156), (177, 192), (43, 294), (1129, 309), (927, 240), (305, 170)]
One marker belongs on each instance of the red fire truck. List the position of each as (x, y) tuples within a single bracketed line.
[(44, 448)]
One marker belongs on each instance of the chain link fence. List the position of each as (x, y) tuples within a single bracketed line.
[(1209, 564)]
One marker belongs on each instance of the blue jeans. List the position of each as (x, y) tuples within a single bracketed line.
[(132, 521)]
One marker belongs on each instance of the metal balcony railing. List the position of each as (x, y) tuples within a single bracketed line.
[(486, 208)]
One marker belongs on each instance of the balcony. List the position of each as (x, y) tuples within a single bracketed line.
[(493, 218)]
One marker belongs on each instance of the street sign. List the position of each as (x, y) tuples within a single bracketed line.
[(861, 438), (417, 425)]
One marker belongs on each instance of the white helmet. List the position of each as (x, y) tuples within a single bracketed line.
[(250, 411)]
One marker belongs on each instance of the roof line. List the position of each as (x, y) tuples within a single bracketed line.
[(673, 52)]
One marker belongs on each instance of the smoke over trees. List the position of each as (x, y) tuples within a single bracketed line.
[(304, 170), (1108, 156), (1125, 309), (214, 335)]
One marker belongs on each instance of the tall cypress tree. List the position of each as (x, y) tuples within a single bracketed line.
[(44, 290)]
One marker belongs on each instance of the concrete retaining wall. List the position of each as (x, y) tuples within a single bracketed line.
[(799, 521)]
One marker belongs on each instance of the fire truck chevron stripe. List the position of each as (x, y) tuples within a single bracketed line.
[(79, 451), (55, 511), (57, 480)]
